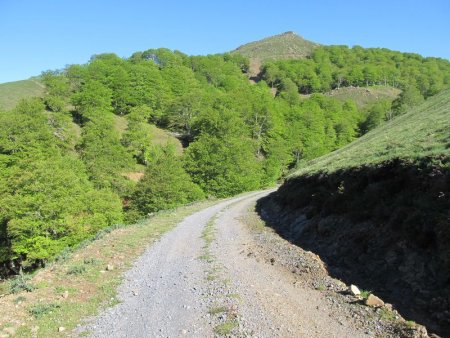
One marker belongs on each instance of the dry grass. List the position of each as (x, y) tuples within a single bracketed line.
[(134, 176), (162, 137), (365, 96), (120, 124)]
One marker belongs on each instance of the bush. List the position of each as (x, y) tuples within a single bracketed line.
[(39, 310), (21, 283), (165, 184)]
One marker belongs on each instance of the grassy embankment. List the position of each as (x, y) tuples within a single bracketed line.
[(82, 282), (422, 132)]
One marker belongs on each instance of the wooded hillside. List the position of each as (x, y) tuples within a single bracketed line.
[(65, 166)]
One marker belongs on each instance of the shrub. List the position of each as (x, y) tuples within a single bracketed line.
[(165, 184)]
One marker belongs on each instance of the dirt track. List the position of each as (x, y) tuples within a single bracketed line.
[(207, 278)]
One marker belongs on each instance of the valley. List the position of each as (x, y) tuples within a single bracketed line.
[(247, 193)]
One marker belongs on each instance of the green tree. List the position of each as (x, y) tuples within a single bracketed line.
[(46, 200), (138, 136), (223, 166), (408, 98), (165, 184)]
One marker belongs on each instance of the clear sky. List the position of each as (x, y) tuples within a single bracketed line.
[(38, 35)]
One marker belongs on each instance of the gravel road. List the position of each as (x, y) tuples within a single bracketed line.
[(171, 292)]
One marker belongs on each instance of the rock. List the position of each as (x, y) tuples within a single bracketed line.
[(65, 295), (374, 301), (388, 306), (354, 290), (420, 332), (61, 329), (109, 267)]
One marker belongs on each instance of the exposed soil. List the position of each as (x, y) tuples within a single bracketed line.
[(384, 228)]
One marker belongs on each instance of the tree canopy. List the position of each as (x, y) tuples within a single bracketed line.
[(66, 160)]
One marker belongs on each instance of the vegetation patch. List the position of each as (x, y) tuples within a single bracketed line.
[(225, 306), (20, 283), (76, 270), (217, 310), (64, 301), (226, 328), (40, 310), (365, 293), (422, 132)]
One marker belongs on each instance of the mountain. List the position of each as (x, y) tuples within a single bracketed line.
[(12, 92), (288, 45), (377, 211)]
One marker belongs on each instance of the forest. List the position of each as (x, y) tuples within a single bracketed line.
[(65, 165)]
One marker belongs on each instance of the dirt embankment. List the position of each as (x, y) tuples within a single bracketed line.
[(385, 228)]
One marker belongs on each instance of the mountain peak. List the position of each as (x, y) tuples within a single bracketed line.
[(287, 45)]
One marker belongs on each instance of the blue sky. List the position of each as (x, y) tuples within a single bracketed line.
[(48, 34)]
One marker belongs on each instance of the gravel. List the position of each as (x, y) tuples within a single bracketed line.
[(253, 284), (164, 293)]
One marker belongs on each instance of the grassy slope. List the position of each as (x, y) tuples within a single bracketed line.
[(423, 131), (365, 96), (376, 211), (283, 46), (159, 136), (12, 92)]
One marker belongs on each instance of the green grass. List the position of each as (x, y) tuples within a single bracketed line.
[(12, 92), (208, 236), (279, 47), (387, 315), (163, 137), (76, 270), (422, 132), (216, 310), (365, 294), (226, 328), (21, 283), (410, 324), (120, 124), (159, 136), (40, 310)]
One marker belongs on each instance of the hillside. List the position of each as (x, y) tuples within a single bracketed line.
[(377, 212), (288, 45), (118, 139), (91, 153), (422, 132), (12, 92), (365, 96)]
